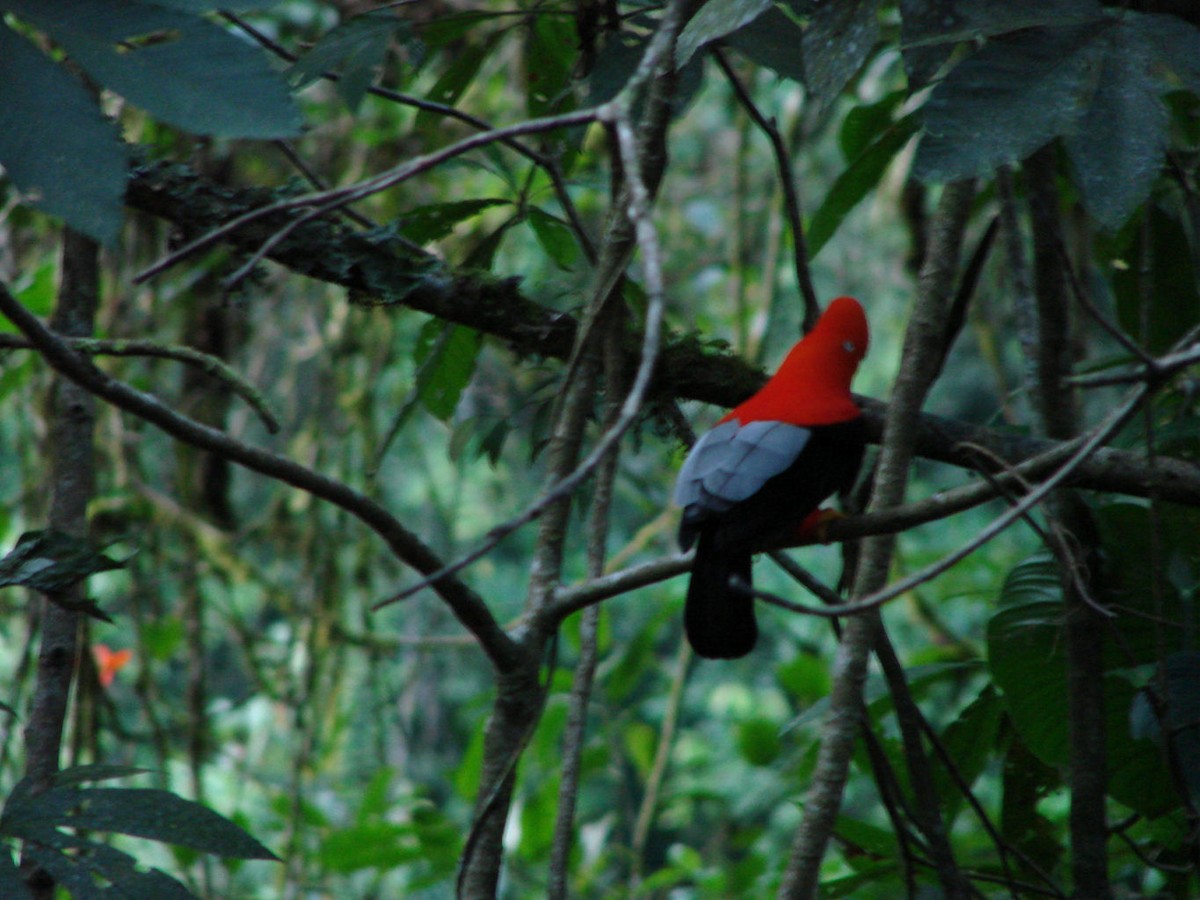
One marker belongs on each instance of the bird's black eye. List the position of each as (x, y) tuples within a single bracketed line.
[(848, 346)]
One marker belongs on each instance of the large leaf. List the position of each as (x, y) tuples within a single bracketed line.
[(356, 49), (716, 19), (774, 40), (446, 355), (12, 885), (55, 146), (1117, 148), (181, 68), (52, 561), (1009, 99), (1155, 282), (837, 41), (142, 812), (1179, 706), (937, 25), (1028, 664)]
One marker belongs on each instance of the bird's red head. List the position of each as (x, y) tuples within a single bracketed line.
[(812, 387)]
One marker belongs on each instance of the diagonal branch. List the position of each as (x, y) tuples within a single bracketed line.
[(466, 605)]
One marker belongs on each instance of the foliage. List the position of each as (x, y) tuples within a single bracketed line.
[(91, 869), (431, 284)]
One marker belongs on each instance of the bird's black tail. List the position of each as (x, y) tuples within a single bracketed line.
[(718, 619)]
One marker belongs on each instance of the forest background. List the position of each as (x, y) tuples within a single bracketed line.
[(348, 354)]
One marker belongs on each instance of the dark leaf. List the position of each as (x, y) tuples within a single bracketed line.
[(931, 23), (1026, 657), (62, 155), (356, 49), (1178, 46), (773, 40), (51, 561), (11, 883), (202, 6), (446, 357), (1180, 711), (150, 813), (970, 739), (549, 60), (1117, 148), (836, 42), (716, 19), (435, 221), (455, 80), (180, 68), (555, 237), (1161, 286), (1011, 98)]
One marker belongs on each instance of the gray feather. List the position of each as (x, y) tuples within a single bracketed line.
[(732, 462)]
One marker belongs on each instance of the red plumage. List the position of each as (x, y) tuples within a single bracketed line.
[(767, 465)]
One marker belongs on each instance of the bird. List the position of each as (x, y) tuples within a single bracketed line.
[(758, 476)]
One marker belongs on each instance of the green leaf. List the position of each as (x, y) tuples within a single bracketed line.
[(1117, 149), (356, 49), (931, 28), (806, 677), (441, 838), (1181, 711), (1027, 661), (423, 224), (148, 813), (60, 153), (773, 40), (1009, 99), (51, 561), (181, 68), (758, 741), (837, 41), (455, 80), (866, 123), (376, 844), (859, 178), (1164, 279), (550, 58), (555, 236), (716, 19), (1178, 45), (11, 883), (970, 740), (1026, 780), (446, 355)]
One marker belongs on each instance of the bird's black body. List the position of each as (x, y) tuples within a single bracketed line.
[(745, 488)]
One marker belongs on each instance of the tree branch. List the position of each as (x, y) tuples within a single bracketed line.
[(375, 269), (466, 605)]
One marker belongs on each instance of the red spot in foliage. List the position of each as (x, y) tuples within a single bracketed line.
[(109, 662)]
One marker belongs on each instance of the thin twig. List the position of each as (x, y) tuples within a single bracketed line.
[(791, 197), (547, 164), (211, 365), (321, 202)]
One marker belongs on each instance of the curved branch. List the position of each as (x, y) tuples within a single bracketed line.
[(211, 365), (466, 605)]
